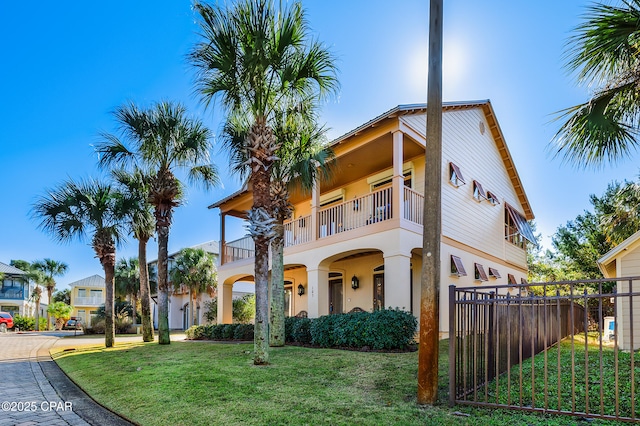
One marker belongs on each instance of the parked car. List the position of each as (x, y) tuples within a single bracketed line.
[(6, 321), (73, 324)]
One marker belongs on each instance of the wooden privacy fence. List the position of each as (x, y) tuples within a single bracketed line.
[(527, 347)]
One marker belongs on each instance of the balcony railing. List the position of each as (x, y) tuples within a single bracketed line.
[(88, 301), (12, 293), (335, 219)]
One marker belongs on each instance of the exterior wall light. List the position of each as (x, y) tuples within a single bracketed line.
[(300, 289), (355, 283)]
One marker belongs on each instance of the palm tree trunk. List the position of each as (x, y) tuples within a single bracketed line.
[(37, 325), (145, 292), (49, 293), (276, 325), (108, 263), (192, 301), (134, 302), (163, 285), (261, 239)]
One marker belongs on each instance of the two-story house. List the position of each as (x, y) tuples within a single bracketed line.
[(356, 240), (16, 292), (87, 295)]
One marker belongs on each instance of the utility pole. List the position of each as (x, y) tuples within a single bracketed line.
[(430, 280)]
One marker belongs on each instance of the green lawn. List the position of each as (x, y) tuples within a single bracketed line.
[(205, 383)]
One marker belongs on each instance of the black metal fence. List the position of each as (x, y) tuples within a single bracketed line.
[(565, 347)]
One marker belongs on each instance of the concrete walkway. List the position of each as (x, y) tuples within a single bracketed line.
[(34, 391)]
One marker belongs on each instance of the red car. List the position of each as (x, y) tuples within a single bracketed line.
[(6, 321)]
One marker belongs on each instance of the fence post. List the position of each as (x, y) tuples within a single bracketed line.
[(452, 345), (490, 341)]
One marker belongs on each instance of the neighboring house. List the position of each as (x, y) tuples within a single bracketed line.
[(624, 261), (87, 295), (356, 241), (16, 291), (179, 317)]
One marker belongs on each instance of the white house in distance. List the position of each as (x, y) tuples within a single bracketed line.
[(179, 317), (624, 261), (16, 291), (356, 241), (87, 295)]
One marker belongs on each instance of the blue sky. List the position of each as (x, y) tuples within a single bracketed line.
[(67, 65)]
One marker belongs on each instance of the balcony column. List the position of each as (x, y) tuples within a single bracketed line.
[(397, 182), (318, 291), (315, 204), (225, 303), (397, 281), (223, 240)]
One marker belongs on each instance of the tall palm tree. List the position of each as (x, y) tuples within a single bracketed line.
[(50, 268), (142, 228), (195, 269), (127, 282), (83, 210), (161, 141), (253, 57), (605, 53)]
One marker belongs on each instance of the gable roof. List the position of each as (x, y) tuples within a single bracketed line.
[(92, 281), (400, 110), (8, 269), (615, 252)]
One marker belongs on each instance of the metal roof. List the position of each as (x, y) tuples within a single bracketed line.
[(92, 281), (8, 269)]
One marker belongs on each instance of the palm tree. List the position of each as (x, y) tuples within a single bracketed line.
[(50, 268), (88, 209), (195, 269), (605, 53), (162, 140), (254, 58), (38, 277), (127, 282), (142, 228)]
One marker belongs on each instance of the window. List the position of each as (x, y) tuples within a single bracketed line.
[(457, 268), (516, 228), (455, 176), (493, 198), (493, 273), (82, 292), (511, 279), (523, 281), (384, 178), (96, 294), (478, 191), (480, 274), (385, 182)]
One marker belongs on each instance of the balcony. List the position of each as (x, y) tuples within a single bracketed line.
[(336, 219), (88, 301), (14, 293)]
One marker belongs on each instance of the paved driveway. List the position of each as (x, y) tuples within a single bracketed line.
[(34, 391)]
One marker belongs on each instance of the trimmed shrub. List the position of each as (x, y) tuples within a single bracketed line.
[(243, 332), (228, 330), (28, 323), (302, 330)]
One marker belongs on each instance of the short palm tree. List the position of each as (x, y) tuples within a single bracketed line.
[(195, 269), (159, 142), (50, 268), (253, 58), (605, 53), (127, 282), (92, 210), (143, 227)]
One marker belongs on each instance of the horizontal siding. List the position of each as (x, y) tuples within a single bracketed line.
[(479, 225)]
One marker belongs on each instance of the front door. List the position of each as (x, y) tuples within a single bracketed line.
[(378, 292), (335, 296)]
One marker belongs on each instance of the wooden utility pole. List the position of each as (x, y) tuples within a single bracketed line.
[(430, 282)]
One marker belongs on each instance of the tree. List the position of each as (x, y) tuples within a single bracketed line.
[(244, 308), (36, 295), (254, 58), (195, 269), (88, 209), (61, 312), (159, 142), (142, 228), (127, 282), (62, 296), (604, 53), (50, 268)]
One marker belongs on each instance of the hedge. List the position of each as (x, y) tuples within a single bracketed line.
[(385, 329)]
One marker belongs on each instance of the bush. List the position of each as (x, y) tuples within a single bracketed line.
[(243, 332), (28, 323), (302, 330), (228, 330)]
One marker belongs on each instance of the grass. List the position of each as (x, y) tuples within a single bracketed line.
[(204, 383)]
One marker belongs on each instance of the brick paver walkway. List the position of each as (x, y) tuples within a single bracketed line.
[(26, 396)]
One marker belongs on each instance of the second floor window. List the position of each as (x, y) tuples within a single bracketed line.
[(516, 228)]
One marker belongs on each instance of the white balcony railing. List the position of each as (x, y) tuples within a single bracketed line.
[(88, 301), (343, 217)]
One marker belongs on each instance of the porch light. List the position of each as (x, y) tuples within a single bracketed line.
[(355, 283), (300, 289)]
